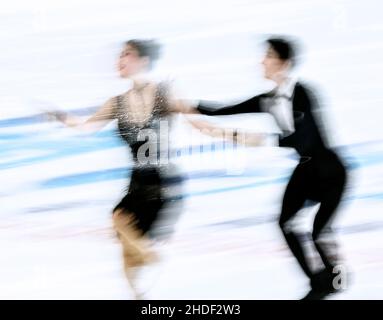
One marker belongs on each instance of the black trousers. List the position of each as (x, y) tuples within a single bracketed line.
[(320, 178)]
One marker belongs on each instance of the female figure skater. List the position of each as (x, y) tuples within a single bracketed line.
[(139, 112), (320, 175)]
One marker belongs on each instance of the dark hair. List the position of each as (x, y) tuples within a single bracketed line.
[(285, 49), (146, 48)]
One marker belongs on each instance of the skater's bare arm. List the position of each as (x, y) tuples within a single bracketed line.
[(241, 137), (94, 123), (177, 105), (183, 106)]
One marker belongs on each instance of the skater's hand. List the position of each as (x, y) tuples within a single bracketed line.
[(55, 116), (64, 118)]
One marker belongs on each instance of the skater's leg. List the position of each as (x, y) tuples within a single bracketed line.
[(323, 281), (322, 235), (135, 247), (293, 201)]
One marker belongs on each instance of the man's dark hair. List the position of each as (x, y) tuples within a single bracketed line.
[(284, 49)]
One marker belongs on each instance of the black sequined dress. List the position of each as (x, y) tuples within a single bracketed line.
[(147, 191)]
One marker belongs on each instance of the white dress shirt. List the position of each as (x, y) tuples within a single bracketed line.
[(280, 106)]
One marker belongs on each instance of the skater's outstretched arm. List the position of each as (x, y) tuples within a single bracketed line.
[(218, 109), (93, 124), (250, 139), (211, 108), (188, 108)]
